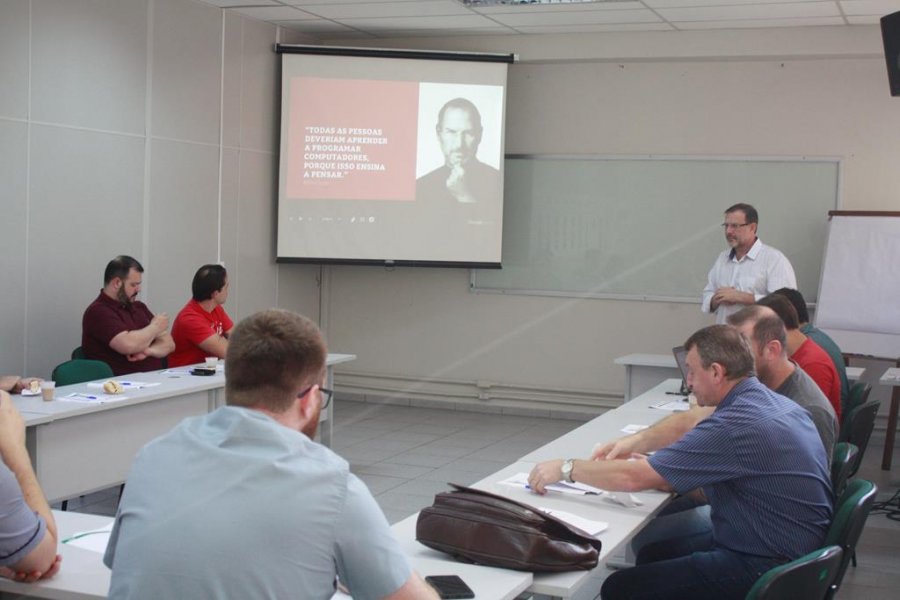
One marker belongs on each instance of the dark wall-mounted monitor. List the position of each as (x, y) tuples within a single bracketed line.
[(890, 35)]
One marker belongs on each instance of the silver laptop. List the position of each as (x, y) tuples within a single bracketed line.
[(680, 355)]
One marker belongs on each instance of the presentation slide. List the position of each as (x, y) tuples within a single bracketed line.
[(391, 160)]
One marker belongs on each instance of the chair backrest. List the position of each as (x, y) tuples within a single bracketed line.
[(809, 577), (78, 354), (850, 513), (843, 461), (78, 371), (859, 395), (857, 428)]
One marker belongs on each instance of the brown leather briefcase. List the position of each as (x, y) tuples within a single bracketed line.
[(483, 528)]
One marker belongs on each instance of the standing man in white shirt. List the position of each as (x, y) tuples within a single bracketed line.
[(747, 271)]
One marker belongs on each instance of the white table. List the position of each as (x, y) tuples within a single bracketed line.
[(83, 575), (645, 371), (78, 448), (580, 442), (855, 373), (89, 576), (623, 522), (325, 434), (487, 583), (891, 377)]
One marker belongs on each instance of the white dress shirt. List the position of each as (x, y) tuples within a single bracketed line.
[(760, 272)]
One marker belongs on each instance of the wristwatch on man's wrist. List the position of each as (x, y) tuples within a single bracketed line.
[(567, 467)]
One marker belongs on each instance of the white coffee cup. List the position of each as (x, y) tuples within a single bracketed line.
[(48, 389), (212, 361)]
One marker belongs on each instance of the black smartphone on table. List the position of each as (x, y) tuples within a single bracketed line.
[(450, 586)]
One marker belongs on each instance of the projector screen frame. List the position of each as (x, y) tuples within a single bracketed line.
[(394, 53), (388, 263), (346, 51)]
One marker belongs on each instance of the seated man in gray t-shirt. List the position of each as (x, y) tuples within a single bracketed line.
[(27, 528), (765, 331)]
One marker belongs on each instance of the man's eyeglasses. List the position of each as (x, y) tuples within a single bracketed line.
[(734, 225), (326, 395)]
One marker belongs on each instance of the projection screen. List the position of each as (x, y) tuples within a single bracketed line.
[(391, 157)]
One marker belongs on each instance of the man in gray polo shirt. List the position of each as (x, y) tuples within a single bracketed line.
[(765, 331), (242, 503), (820, 337)]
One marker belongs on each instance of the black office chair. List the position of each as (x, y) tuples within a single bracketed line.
[(807, 578), (850, 513), (857, 429), (843, 460)]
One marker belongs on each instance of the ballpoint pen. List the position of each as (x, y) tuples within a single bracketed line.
[(78, 536)]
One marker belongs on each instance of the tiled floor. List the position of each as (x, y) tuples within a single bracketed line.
[(407, 454), (877, 576)]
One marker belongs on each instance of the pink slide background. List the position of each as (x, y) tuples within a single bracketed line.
[(334, 104)]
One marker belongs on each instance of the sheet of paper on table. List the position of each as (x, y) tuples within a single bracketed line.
[(135, 385), (672, 405), (578, 489), (593, 528), (92, 399), (634, 428)]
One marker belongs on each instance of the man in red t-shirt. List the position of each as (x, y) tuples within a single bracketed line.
[(202, 327), (119, 329), (805, 352)]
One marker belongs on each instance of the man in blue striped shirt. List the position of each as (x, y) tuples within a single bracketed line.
[(757, 460)]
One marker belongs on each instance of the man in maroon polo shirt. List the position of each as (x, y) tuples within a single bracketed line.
[(120, 330)]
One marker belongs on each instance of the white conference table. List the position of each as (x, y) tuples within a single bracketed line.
[(643, 371), (486, 582), (580, 442), (77, 448), (623, 522), (83, 575), (891, 378)]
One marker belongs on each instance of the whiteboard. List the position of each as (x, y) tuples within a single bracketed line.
[(859, 298), (650, 228)]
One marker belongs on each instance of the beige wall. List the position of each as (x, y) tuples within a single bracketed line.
[(136, 127), (149, 127), (794, 92)]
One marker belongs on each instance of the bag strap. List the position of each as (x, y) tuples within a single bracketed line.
[(546, 517)]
